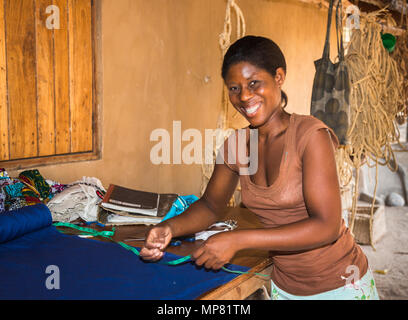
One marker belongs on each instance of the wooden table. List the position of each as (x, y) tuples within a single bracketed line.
[(237, 289)]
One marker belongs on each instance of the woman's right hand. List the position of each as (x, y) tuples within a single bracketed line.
[(157, 239)]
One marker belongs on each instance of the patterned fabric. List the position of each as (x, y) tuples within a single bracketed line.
[(331, 86), (363, 289), (4, 178), (14, 190), (15, 203), (2, 201), (80, 198), (56, 187), (4, 181), (10, 192), (36, 188), (28, 189)]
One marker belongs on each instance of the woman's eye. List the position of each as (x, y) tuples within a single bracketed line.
[(233, 89), (253, 83)]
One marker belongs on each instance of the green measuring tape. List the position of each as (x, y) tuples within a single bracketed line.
[(110, 234)]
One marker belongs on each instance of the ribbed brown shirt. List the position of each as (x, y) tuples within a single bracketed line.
[(312, 271)]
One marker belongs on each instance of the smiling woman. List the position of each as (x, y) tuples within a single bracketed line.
[(295, 191), (266, 56), (251, 88)]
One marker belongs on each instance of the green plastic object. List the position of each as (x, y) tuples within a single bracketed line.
[(388, 41)]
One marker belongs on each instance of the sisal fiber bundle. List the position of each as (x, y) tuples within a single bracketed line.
[(375, 101)]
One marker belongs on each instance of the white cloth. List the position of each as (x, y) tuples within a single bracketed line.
[(219, 227), (78, 199)]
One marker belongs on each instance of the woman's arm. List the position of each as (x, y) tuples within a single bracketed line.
[(322, 197), (210, 208)]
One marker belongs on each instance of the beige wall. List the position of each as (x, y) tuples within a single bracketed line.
[(156, 56)]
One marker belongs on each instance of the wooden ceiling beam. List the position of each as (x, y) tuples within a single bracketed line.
[(398, 6), (367, 6)]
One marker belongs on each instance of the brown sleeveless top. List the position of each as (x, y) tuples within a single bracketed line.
[(307, 272)]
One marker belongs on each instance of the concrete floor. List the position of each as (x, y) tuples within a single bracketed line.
[(391, 251), (391, 255)]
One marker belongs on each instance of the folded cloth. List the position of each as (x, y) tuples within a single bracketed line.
[(36, 186), (78, 200), (14, 190), (11, 197), (2, 201), (15, 203), (17, 223), (56, 187), (4, 178)]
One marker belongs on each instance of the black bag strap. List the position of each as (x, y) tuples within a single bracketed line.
[(339, 30), (326, 51)]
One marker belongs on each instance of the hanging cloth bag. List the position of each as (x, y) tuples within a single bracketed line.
[(331, 85)]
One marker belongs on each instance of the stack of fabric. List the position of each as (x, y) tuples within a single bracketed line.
[(67, 202), (28, 189), (80, 199)]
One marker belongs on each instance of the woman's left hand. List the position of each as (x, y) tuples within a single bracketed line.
[(216, 251)]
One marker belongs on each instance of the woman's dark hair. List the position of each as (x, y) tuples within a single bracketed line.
[(259, 51)]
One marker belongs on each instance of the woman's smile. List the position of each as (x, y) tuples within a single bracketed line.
[(251, 109), (254, 92)]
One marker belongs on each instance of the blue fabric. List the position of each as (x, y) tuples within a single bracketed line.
[(180, 205), (16, 223), (88, 269)]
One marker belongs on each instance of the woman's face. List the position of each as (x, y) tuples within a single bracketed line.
[(254, 92)]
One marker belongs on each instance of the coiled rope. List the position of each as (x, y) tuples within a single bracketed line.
[(400, 55), (375, 100)]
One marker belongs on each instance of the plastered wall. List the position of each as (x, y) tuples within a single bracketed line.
[(161, 63)]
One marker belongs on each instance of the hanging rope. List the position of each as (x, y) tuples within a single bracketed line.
[(225, 36), (375, 101), (225, 42), (400, 55), (222, 122)]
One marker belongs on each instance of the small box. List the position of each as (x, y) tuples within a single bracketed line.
[(361, 229)]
